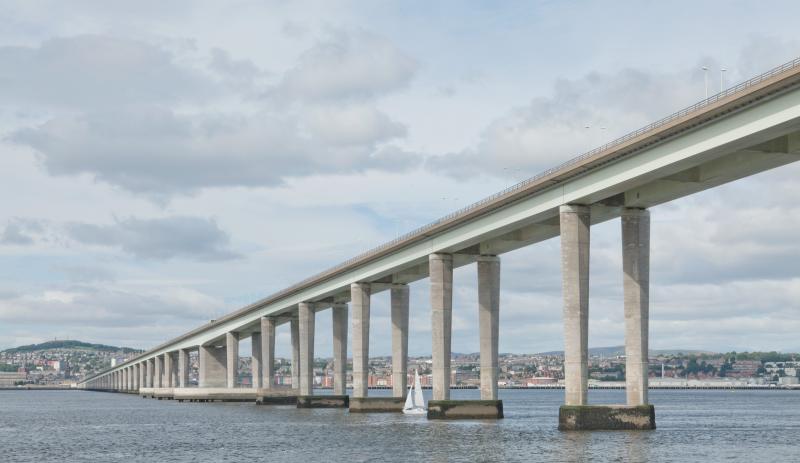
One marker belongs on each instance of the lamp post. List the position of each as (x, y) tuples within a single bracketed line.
[(705, 78), (722, 79)]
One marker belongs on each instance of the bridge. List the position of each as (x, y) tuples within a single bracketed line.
[(744, 130)]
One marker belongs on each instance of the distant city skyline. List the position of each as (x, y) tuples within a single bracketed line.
[(163, 167)]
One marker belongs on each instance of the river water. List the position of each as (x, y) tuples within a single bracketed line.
[(80, 426)]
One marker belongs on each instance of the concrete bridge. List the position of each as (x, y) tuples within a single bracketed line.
[(744, 130)]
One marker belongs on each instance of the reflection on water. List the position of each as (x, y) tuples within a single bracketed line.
[(692, 426)]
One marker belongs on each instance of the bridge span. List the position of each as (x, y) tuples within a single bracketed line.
[(747, 129)]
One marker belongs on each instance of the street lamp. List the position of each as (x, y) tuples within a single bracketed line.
[(722, 79), (705, 78)]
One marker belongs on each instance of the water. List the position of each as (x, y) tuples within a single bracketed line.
[(79, 426)]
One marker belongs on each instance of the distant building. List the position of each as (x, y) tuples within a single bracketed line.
[(10, 379)]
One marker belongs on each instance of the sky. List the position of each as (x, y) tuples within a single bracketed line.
[(165, 163)]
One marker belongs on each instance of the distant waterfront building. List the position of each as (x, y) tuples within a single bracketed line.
[(10, 379)]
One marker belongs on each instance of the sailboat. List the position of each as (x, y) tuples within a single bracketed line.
[(415, 403)]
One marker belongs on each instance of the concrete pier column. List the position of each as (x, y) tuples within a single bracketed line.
[(158, 375), (142, 367), (575, 222), (232, 360), (339, 318), (636, 286), (294, 326), (183, 368), (255, 362), (268, 352), (399, 295), (212, 371), (489, 323), (360, 302), (125, 378), (306, 318), (151, 366), (168, 367), (137, 377), (441, 275)]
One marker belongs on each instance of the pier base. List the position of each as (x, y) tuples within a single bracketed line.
[(276, 396), (214, 394), (465, 409), (606, 417), (376, 404), (323, 401)]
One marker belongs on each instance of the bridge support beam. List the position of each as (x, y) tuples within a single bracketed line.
[(256, 360), (306, 317), (212, 367), (636, 285), (488, 321), (294, 326), (399, 295), (169, 373), (339, 316), (183, 368), (268, 352), (441, 275), (575, 221), (158, 375), (151, 366), (489, 407), (360, 301), (576, 414), (232, 358)]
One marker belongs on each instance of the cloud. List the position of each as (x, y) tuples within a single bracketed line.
[(159, 152), (20, 232), (580, 114), (144, 126), (96, 71), (113, 306), (166, 238), (347, 66)]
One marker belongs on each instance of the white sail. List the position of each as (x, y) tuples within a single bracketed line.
[(415, 403), (409, 400), (418, 399)]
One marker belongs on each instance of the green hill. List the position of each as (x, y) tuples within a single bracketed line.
[(67, 344)]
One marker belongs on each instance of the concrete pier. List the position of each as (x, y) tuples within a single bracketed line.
[(399, 302), (268, 352), (323, 401), (232, 358), (150, 369), (606, 417), (277, 396), (360, 302), (636, 286), (158, 374), (294, 326), (575, 221), (212, 371), (306, 317), (183, 368), (170, 375), (465, 409), (489, 323), (339, 319), (255, 362), (441, 275), (376, 404)]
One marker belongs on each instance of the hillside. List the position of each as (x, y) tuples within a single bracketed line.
[(620, 350), (68, 344)]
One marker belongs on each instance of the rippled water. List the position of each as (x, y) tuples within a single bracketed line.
[(75, 426)]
